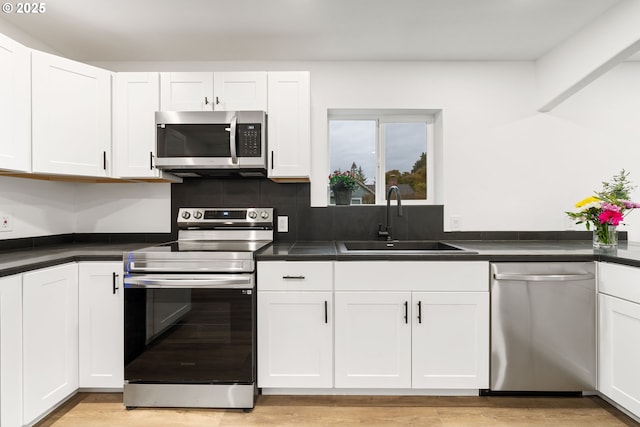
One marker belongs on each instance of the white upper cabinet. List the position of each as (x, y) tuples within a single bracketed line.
[(190, 91), (289, 131), (136, 98), (15, 106), (208, 91), (240, 91), (71, 117)]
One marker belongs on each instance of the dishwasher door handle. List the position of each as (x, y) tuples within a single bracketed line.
[(542, 277)]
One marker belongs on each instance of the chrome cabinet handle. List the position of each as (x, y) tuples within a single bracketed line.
[(419, 311), (293, 277)]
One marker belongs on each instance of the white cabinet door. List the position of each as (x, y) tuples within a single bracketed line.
[(289, 134), (136, 99), (15, 106), (240, 91), (101, 331), (619, 351), (71, 113), (50, 338), (450, 343), (295, 339), (373, 340), (11, 351), (186, 91)]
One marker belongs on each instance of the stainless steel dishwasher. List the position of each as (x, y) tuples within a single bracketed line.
[(543, 327)]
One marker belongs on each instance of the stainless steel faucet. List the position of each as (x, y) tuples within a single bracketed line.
[(386, 233)]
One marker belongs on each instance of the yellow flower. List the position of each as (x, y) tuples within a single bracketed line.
[(590, 199)]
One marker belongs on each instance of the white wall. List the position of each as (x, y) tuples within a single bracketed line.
[(43, 208), (37, 208)]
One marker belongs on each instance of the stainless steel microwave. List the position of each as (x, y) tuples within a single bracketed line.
[(212, 143)]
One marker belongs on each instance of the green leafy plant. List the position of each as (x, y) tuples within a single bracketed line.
[(346, 180)]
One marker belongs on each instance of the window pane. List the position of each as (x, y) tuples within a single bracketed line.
[(406, 159), (353, 148)]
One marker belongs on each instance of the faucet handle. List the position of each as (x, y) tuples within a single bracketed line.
[(382, 233)]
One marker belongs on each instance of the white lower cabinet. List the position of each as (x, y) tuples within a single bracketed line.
[(11, 350), (404, 324), (619, 335), (392, 325), (373, 340), (295, 324), (295, 339), (50, 338), (450, 340), (101, 329)]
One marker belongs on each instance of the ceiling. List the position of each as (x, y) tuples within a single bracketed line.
[(306, 30)]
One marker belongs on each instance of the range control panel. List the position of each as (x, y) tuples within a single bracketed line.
[(224, 217)]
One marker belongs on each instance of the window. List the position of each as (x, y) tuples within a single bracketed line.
[(384, 147)]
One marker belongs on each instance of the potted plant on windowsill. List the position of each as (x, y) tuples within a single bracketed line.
[(342, 184)]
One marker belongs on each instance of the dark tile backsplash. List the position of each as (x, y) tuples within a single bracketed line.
[(306, 223)]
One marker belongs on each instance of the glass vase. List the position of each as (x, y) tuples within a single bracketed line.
[(605, 237)]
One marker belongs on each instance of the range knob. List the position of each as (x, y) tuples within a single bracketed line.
[(186, 215), (264, 215), (197, 214), (253, 214)]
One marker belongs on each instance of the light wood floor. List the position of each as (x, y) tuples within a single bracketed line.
[(106, 409)]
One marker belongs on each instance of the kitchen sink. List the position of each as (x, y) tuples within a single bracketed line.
[(399, 247)]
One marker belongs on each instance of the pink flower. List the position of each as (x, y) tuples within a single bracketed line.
[(629, 204), (613, 217), (610, 207)]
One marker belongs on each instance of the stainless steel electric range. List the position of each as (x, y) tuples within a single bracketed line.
[(190, 330)]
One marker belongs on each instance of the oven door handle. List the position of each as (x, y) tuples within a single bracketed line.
[(218, 281)]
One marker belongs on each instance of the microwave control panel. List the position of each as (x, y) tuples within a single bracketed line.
[(249, 140)]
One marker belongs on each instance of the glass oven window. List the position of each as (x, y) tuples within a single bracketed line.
[(189, 335)]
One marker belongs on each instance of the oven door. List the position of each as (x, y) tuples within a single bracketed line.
[(189, 329)]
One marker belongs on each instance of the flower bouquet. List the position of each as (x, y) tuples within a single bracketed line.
[(606, 209)]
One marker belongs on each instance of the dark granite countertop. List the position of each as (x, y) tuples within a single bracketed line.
[(17, 261), (628, 253)]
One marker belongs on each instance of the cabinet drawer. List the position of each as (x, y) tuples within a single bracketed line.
[(619, 281), (444, 276), (295, 276)]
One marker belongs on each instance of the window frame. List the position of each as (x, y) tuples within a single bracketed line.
[(382, 117)]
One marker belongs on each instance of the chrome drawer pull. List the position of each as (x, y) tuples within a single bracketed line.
[(293, 277)]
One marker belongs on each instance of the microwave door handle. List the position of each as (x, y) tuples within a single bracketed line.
[(232, 140)]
